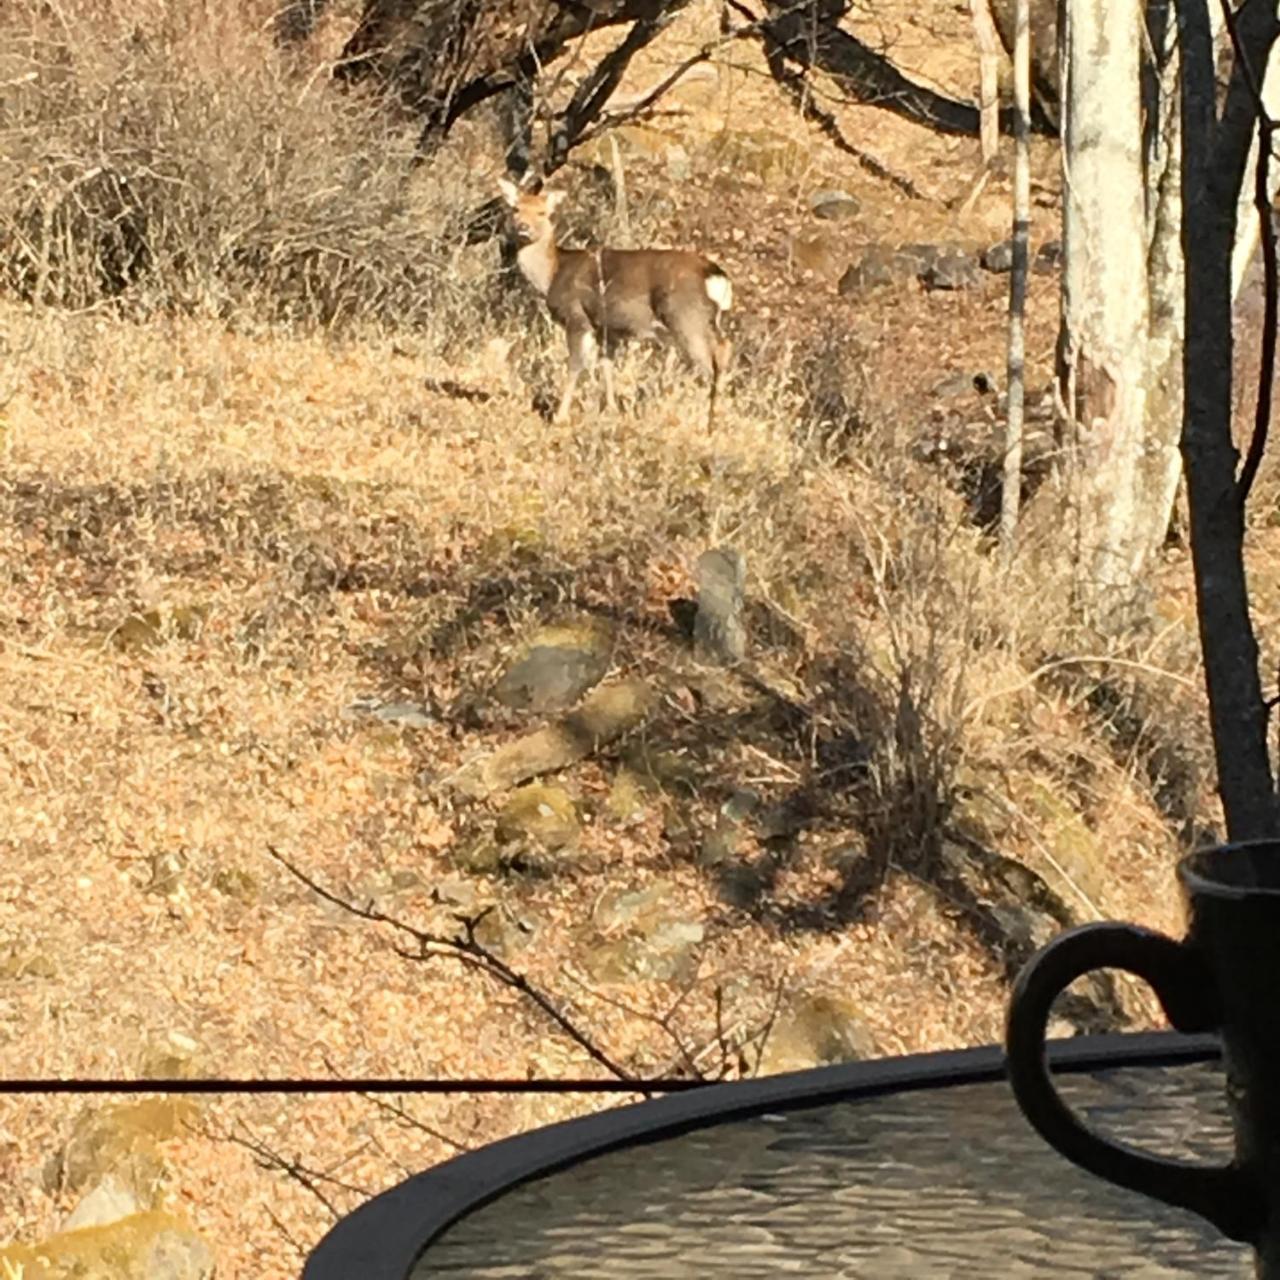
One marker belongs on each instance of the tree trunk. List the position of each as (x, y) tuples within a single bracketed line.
[(1213, 156), (1011, 489), (988, 42), (1102, 347), (1166, 281), (1247, 228)]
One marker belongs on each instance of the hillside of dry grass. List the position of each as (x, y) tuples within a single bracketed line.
[(293, 473)]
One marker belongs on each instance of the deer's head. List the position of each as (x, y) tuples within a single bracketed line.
[(531, 212)]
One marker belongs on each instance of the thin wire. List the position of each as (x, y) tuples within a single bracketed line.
[(84, 1085)]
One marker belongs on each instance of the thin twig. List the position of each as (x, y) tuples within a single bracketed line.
[(406, 1117), (664, 1021), (1270, 285), (466, 950), (975, 704)]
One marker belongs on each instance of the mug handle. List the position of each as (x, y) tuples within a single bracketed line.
[(1177, 974)]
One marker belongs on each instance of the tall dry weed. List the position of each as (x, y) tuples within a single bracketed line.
[(167, 156)]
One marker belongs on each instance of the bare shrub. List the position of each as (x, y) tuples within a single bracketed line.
[(169, 158)]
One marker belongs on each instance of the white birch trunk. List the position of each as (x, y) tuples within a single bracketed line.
[(988, 42), (1102, 350)]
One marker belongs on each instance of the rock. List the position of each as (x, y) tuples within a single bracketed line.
[(505, 932), (718, 631), (629, 796), (538, 815), (455, 892), (915, 259), (954, 384), (413, 715), (556, 668), (142, 631), (121, 1139), (176, 1057), (1048, 258), (816, 1030), (667, 954), (1072, 848), (878, 266), (998, 258), (168, 870), (143, 1246), (662, 770), (480, 856), (721, 845), (604, 715), (1024, 928), (950, 269), (740, 805), (638, 910), (659, 943), (834, 205), (107, 1202)]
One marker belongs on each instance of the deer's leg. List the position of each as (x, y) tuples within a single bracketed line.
[(608, 353), (694, 334), (582, 355), (606, 373), (721, 351)]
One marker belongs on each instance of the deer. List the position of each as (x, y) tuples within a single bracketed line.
[(600, 297)]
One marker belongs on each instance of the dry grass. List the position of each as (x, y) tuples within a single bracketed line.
[(230, 506)]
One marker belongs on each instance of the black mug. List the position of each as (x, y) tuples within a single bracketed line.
[(1223, 977)]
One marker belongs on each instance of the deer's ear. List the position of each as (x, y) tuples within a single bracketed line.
[(510, 192), (553, 199)]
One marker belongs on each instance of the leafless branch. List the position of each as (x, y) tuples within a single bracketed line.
[(1270, 286), (406, 1117), (684, 1059), (309, 1179), (794, 82), (466, 950), (593, 93)]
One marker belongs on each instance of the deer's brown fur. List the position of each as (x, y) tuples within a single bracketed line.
[(602, 296)]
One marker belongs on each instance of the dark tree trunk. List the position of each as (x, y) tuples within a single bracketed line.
[(1213, 168)]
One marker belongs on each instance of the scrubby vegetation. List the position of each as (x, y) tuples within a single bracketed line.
[(278, 511)]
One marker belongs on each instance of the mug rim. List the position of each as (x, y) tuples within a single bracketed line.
[(1197, 878)]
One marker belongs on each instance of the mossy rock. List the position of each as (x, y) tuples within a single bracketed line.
[(556, 666), (667, 954), (662, 770), (174, 1058), (479, 856), (605, 714), (980, 808), (144, 1246), (121, 1138), (542, 815), (816, 1030), (328, 489), (629, 797)]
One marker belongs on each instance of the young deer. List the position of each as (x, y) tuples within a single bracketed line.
[(600, 296)]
